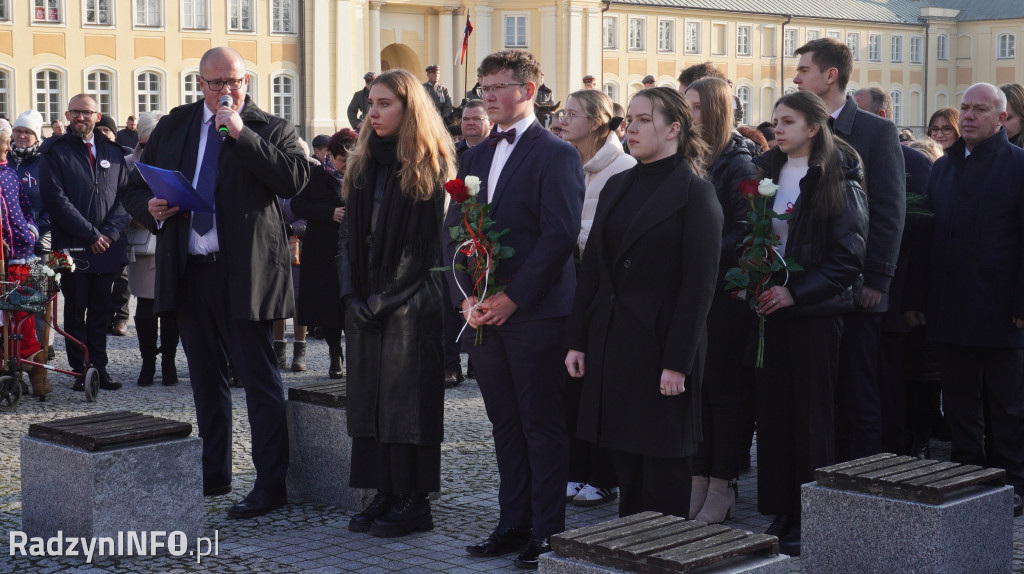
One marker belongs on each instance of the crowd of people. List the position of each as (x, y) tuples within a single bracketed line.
[(613, 361)]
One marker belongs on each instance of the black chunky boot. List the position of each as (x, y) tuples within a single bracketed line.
[(410, 513), (380, 506), (335, 371)]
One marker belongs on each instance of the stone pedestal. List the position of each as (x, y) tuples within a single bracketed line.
[(320, 451), (149, 487), (552, 563), (854, 533)]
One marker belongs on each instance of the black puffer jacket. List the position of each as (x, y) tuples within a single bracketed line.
[(830, 252), (732, 167)]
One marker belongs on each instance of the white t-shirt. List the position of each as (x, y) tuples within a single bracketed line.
[(785, 198)]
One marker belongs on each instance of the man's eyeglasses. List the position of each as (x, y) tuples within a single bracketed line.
[(217, 85), (498, 88), (81, 113), (568, 117), (944, 129)]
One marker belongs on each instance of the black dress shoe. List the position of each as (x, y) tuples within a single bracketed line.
[(380, 506), (790, 544), (217, 490), (452, 377), (106, 383), (410, 513), (1018, 505), (470, 371), (780, 526), (257, 503), (527, 559), (502, 541)]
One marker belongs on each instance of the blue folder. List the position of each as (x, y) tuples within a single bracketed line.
[(172, 186)]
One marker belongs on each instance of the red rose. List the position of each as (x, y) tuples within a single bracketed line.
[(748, 188), (458, 190)]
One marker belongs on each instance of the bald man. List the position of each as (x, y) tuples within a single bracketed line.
[(227, 274)]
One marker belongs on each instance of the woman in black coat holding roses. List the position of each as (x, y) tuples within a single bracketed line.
[(818, 177)]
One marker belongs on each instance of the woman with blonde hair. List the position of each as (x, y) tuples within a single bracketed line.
[(1014, 123), (388, 244), (943, 126)]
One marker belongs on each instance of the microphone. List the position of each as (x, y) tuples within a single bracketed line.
[(225, 102)]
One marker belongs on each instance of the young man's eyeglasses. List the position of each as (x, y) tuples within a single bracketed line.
[(499, 88), (81, 113)]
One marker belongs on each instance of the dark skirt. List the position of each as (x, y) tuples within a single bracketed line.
[(394, 467)]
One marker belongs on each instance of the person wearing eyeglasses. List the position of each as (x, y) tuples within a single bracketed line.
[(227, 274), (80, 176), (942, 127)]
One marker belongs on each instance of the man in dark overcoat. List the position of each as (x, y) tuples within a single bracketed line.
[(228, 274)]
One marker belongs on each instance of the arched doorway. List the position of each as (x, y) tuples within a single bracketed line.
[(400, 56)]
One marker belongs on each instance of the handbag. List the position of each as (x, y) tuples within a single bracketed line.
[(141, 241)]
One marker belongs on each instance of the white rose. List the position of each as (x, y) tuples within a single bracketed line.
[(767, 188), (473, 185)]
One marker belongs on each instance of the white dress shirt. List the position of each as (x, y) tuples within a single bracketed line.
[(503, 150)]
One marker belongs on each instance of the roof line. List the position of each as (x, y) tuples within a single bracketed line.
[(779, 14)]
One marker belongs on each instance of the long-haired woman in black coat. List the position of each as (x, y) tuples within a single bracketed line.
[(819, 182), (637, 327)]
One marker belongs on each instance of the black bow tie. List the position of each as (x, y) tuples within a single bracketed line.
[(509, 136)]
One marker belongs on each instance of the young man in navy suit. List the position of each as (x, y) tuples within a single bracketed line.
[(534, 183)]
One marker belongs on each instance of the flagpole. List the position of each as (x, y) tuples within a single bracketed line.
[(465, 65)]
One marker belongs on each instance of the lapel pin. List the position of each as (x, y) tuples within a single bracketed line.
[(104, 164)]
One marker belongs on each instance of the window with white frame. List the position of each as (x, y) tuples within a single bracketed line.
[(637, 39), (100, 85), (942, 47), (743, 93), (916, 49), (896, 50), (835, 34), (194, 15), (692, 40), (897, 107), (5, 93), (240, 16), (666, 35), (874, 47), (813, 35), (768, 43), (282, 16), (98, 12), (610, 34), (1006, 46), (742, 40), (853, 42), (148, 91), (5, 10), (515, 31), (191, 90), (46, 11), (147, 12), (719, 31), (789, 40), (250, 89), (49, 93), (612, 91), (283, 94)]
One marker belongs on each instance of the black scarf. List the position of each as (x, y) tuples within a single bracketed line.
[(22, 154), (405, 228)]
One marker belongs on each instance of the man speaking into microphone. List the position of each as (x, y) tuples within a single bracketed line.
[(227, 274)]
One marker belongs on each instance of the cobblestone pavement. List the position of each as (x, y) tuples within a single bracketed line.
[(302, 537)]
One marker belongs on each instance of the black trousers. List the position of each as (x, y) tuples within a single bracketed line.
[(520, 368), (588, 462), (795, 407), (727, 392), (858, 399), (150, 327), (983, 387), (119, 297), (397, 468), (87, 315), (652, 483), (208, 334)]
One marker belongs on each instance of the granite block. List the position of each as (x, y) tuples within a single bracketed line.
[(552, 563), (854, 533), (320, 457), (149, 487)]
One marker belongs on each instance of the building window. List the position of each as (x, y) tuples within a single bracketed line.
[(193, 15), (191, 88), (666, 35), (853, 41), (637, 40), (916, 44), (515, 31), (743, 93), (789, 43), (835, 35), (48, 93), (240, 16), (611, 32), (283, 105), (5, 93), (5, 10), (692, 38), (875, 48), (718, 39), (942, 47), (612, 91), (897, 107), (283, 16), (100, 85), (250, 89), (147, 92), (896, 54), (813, 35), (147, 12), (742, 40), (46, 11), (99, 12), (1007, 46)]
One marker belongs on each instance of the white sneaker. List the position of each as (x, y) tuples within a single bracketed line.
[(591, 496), (571, 490)]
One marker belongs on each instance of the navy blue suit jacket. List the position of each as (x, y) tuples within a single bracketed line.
[(539, 198)]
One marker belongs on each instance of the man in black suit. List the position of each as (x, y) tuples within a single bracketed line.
[(824, 68), (534, 184), (227, 274)]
